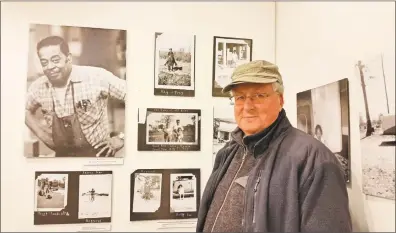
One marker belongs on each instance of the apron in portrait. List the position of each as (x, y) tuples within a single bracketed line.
[(68, 137)]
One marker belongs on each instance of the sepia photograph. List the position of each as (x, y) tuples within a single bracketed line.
[(376, 75), (228, 53), (183, 197), (94, 200), (174, 73), (223, 125), (76, 92), (147, 192), (169, 129), (323, 112), (51, 192)]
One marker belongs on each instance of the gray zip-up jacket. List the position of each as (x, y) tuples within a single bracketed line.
[(297, 185)]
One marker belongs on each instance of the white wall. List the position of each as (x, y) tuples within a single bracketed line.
[(319, 43), (205, 20)]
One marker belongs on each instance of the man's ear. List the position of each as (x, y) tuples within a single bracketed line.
[(281, 101), (69, 58)]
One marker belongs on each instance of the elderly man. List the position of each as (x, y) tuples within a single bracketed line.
[(73, 100), (271, 177)]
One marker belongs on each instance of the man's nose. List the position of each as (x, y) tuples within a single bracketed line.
[(248, 104), (50, 66)]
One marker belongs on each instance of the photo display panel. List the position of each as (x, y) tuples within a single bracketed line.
[(65, 197), (162, 129), (165, 194)]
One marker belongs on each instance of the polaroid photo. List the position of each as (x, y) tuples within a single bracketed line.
[(51, 192), (95, 196), (183, 195), (228, 53), (223, 125), (174, 64), (96, 61), (147, 192), (170, 129)]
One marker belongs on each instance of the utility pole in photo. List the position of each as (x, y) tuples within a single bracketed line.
[(370, 128), (383, 75)]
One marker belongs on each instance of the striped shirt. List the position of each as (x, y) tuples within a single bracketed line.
[(92, 87)]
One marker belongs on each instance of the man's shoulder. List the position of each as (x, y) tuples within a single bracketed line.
[(305, 149), (39, 83), (89, 72)]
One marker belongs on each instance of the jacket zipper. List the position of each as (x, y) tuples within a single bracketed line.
[(228, 191), (255, 196)]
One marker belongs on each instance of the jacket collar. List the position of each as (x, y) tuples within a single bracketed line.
[(256, 144)]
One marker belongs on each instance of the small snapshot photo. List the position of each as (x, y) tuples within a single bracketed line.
[(376, 74), (174, 64), (228, 53), (183, 196), (170, 129), (147, 192), (75, 92), (95, 199), (323, 112), (51, 192), (223, 125)]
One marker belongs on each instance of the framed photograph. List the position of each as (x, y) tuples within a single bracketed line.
[(75, 93), (95, 196), (376, 74), (147, 192), (323, 112), (174, 73), (223, 125), (228, 53), (165, 194), (162, 129), (183, 196), (66, 197)]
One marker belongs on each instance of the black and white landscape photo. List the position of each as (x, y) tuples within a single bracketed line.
[(376, 74), (183, 196), (95, 196), (323, 112), (228, 53), (169, 129), (223, 125), (147, 192), (75, 73), (174, 64), (51, 192)]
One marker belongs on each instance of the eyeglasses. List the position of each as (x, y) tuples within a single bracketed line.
[(259, 98)]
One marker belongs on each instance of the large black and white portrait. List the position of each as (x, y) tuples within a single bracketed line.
[(76, 92), (169, 129), (65, 197), (223, 125), (51, 192), (165, 194), (183, 196), (376, 74), (147, 192), (95, 196), (174, 73), (228, 53), (323, 112)]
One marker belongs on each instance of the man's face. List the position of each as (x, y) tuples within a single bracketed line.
[(253, 118), (54, 62)]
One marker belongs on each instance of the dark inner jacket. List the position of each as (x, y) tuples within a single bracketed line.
[(296, 184)]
